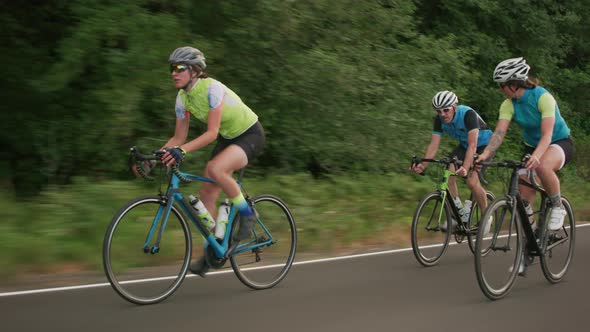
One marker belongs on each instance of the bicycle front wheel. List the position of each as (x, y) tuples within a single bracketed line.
[(475, 220), (140, 273), (265, 259), (558, 246), (498, 253), (431, 229)]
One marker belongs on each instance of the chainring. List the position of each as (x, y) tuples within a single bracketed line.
[(212, 260)]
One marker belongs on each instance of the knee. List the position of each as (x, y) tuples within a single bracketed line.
[(472, 184), (213, 170), (452, 180), (544, 169)]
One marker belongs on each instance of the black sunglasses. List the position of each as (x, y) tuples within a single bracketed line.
[(178, 68), (443, 110)]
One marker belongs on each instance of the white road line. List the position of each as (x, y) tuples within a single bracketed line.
[(320, 260)]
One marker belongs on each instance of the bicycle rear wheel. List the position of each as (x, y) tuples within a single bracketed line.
[(265, 259), (146, 275), (429, 241), (498, 254), (475, 220), (558, 246)]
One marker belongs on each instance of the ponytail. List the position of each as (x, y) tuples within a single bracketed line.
[(531, 82)]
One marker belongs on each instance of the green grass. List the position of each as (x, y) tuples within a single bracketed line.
[(65, 226)]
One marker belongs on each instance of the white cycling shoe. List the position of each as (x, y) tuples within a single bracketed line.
[(444, 226), (556, 218)]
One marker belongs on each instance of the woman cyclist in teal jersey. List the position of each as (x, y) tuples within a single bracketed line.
[(546, 135), (463, 124), (239, 135)]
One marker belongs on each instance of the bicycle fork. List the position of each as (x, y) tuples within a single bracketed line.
[(164, 209), (498, 227)]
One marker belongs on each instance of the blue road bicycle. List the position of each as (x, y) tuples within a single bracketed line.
[(147, 247)]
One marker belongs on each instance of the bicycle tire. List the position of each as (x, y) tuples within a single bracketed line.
[(436, 241), (553, 240), (121, 265), (486, 246), (475, 219), (257, 267)]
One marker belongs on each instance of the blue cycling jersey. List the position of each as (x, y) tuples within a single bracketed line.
[(529, 110), (465, 119)]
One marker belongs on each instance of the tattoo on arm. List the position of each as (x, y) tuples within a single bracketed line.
[(496, 141)]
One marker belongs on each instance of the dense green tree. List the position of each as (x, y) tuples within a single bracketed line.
[(339, 85)]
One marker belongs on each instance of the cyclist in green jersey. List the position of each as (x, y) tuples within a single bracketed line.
[(235, 127), (546, 135)]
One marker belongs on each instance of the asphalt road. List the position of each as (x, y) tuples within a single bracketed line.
[(380, 292)]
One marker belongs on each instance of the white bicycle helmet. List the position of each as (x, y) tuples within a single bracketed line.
[(444, 99), (515, 69)]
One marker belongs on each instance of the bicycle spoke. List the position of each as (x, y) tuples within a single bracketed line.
[(498, 254), (430, 243), (476, 221), (558, 247), (145, 275), (266, 258)]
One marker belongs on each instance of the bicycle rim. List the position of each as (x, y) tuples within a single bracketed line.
[(265, 259), (498, 254), (475, 218), (137, 276), (558, 246), (429, 241)]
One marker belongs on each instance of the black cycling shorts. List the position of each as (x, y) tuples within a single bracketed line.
[(251, 141), (566, 145), (460, 151)]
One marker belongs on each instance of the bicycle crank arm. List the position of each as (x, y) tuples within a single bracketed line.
[(503, 248)]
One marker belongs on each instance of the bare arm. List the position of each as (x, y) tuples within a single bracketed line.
[(430, 153), (496, 139), (433, 146), (471, 148), (180, 133), (213, 124)]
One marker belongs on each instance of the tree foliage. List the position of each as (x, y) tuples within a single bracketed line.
[(338, 85)]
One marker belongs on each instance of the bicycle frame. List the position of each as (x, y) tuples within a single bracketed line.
[(172, 196), (443, 186), (517, 204)]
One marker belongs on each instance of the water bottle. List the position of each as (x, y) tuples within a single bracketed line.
[(466, 211), (458, 203), (204, 215), (222, 219)]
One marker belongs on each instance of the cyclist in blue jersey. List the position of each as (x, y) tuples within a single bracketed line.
[(230, 123), (546, 135), (463, 124)]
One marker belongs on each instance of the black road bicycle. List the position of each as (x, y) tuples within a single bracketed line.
[(498, 255), (437, 212)]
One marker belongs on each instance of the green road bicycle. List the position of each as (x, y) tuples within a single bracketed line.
[(436, 211), (498, 255), (148, 245)]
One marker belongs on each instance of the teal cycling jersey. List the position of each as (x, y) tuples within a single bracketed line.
[(465, 120), (529, 110)]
